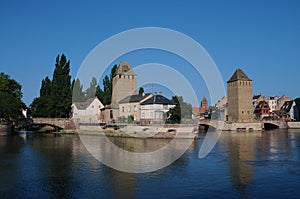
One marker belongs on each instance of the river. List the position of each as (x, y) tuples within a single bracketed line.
[(241, 165)]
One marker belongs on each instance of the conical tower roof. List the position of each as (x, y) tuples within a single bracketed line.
[(239, 75)]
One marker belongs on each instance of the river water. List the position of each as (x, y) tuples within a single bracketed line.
[(241, 165)]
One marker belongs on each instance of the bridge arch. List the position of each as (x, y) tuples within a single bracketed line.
[(270, 125)]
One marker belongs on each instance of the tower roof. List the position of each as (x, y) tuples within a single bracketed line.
[(239, 75), (124, 68)]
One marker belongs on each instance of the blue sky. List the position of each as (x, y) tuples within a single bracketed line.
[(260, 37)]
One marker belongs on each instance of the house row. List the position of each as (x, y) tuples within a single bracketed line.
[(126, 104), (142, 108), (273, 107)]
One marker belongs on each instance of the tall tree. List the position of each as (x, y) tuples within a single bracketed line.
[(107, 90), (77, 91), (55, 96), (91, 91), (10, 98), (99, 93), (141, 90)]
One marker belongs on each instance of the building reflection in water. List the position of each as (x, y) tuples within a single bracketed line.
[(241, 154), (135, 155)]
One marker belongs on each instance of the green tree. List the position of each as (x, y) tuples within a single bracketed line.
[(77, 91), (11, 104), (107, 90), (99, 93), (141, 90), (55, 96), (91, 91), (180, 111)]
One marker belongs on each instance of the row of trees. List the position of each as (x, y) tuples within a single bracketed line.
[(56, 95), (79, 95)]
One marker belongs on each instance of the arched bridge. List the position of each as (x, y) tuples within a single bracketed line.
[(213, 124), (59, 123), (272, 124)]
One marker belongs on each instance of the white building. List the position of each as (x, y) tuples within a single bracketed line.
[(272, 101), (155, 108), (88, 111)]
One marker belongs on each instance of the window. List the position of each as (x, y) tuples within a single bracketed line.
[(134, 108), (151, 114), (123, 109), (143, 115)]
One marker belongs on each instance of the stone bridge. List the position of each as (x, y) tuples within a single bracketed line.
[(213, 124), (62, 123), (270, 124), (249, 126)]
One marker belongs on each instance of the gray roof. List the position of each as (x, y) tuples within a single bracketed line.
[(256, 96), (158, 99), (133, 98), (239, 75), (287, 106), (84, 105)]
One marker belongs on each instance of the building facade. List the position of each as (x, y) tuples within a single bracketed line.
[(281, 101), (256, 99), (130, 106), (239, 88), (272, 101), (262, 110), (154, 109), (88, 111)]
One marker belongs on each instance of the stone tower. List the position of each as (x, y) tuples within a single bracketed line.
[(239, 88), (124, 83)]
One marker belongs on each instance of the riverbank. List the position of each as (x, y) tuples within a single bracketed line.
[(134, 131)]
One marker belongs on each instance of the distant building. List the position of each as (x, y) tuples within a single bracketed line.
[(203, 107), (262, 110), (130, 106), (288, 111), (239, 88), (198, 112), (256, 99), (222, 108), (222, 103), (154, 109), (88, 111), (272, 101), (281, 100)]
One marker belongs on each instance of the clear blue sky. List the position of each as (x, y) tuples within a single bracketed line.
[(261, 37)]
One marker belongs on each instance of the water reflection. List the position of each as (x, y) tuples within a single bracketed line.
[(241, 152), (241, 165)]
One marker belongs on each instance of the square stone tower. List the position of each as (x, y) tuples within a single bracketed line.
[(124, 83), (239, 88)]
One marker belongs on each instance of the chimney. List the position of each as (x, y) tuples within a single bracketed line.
[(160, 93), (155, 93)]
